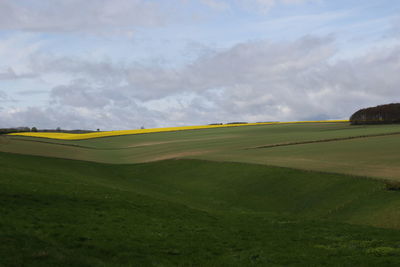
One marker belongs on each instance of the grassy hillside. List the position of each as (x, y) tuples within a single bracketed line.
[(372, 151), (189, 212), (89, 135)]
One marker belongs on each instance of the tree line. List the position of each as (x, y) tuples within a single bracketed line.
[(34, 129), (383, 114)]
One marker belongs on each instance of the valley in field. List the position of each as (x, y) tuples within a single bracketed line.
[(269, 195)]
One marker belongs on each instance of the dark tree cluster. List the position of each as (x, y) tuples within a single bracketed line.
[(59, 130), (237, 122), (383, 114), (34, 129), (14, 130)]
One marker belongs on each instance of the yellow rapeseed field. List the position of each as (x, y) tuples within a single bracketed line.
[(71, 136)]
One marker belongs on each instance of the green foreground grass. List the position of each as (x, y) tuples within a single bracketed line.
[(57, 212)]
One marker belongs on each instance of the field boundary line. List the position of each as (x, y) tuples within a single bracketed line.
[(74, 145), (323, 140)]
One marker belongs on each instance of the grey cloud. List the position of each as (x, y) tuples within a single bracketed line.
[(102, 72), (216, 4), (249, 63), (9, 74), (79, 94), (117, 16), (395, 29), (266, 81), (86, 96), (32, 92), (6, 98), (254, 81), (81, 118), (3, 96), (254, 5), (76, 15), (265, 5)]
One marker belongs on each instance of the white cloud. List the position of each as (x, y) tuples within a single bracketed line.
[(9, 74)]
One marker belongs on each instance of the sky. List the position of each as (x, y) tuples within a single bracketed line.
[(126, 64)]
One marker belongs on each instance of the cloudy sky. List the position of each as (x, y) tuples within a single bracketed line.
[(123, 64)]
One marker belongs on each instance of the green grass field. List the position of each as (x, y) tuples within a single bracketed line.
[(374, 154), (203, 198)]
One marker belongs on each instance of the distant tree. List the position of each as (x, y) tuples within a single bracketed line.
[(142, 127), (377, 115), (98, 129), (58, 129), (237, 122), (14, 130), (34, 129)]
